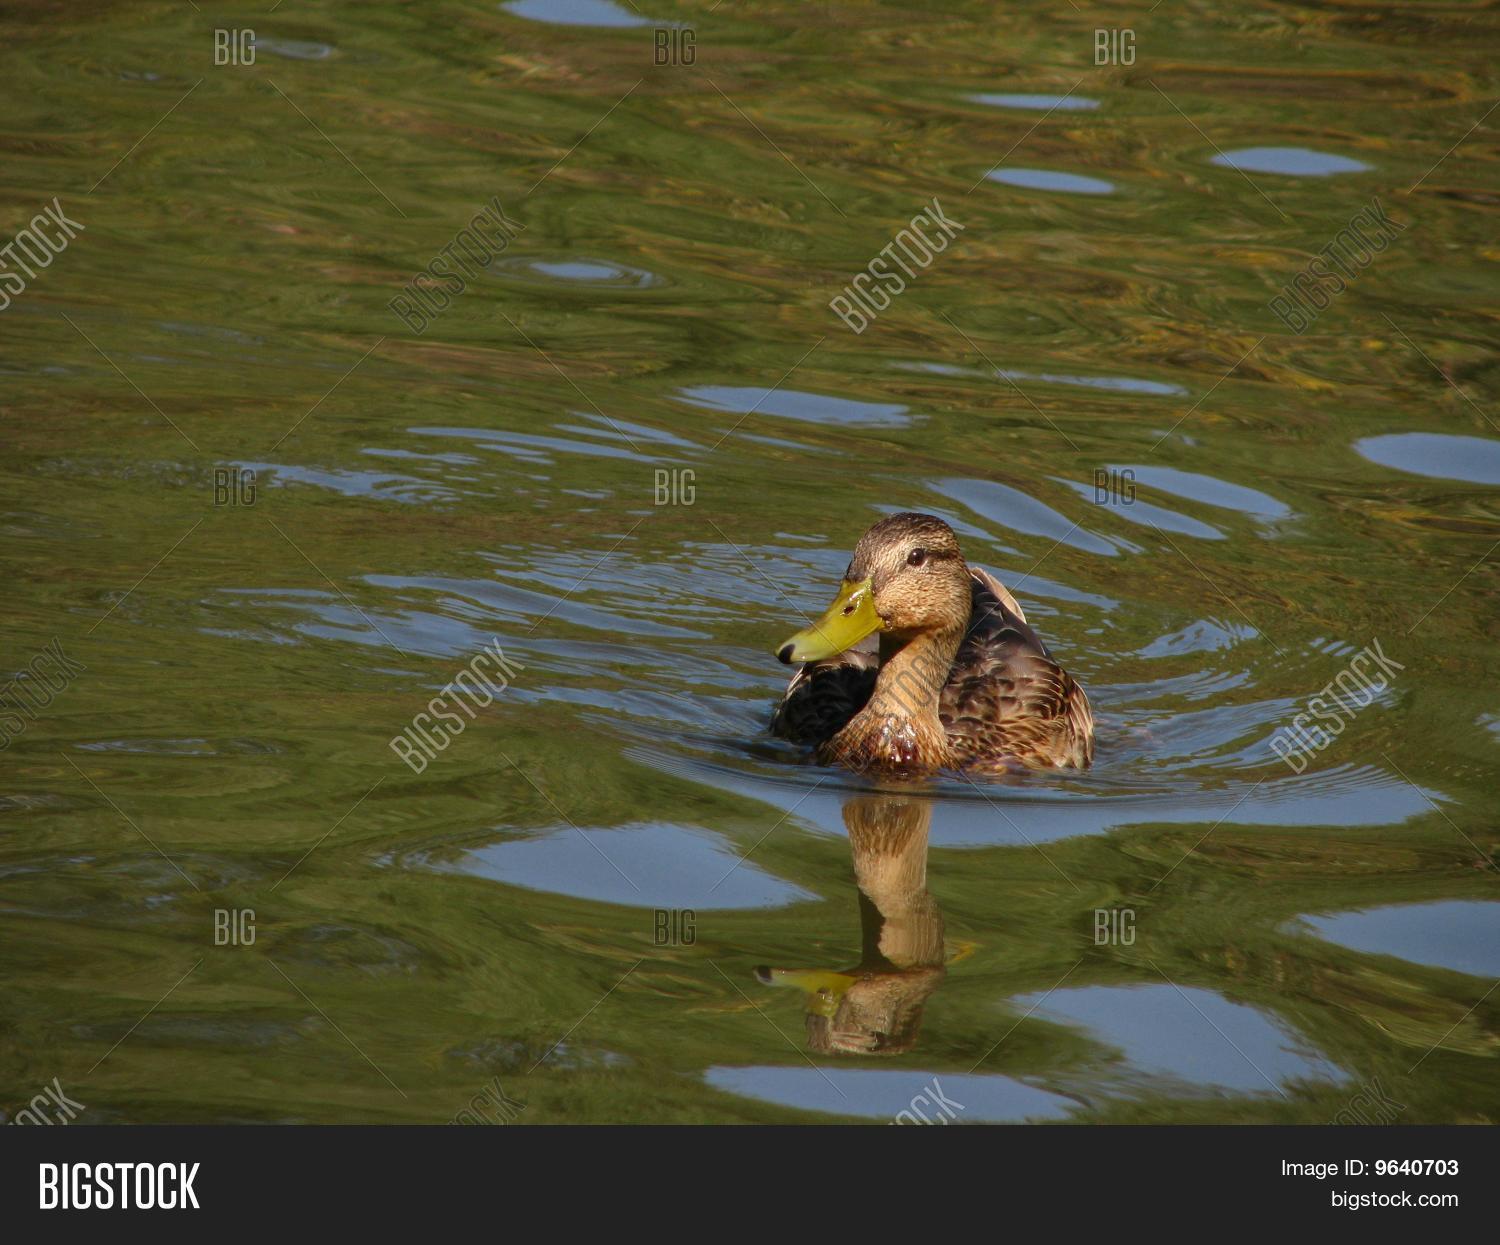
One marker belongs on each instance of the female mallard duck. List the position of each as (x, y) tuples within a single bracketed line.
[(956, 680)]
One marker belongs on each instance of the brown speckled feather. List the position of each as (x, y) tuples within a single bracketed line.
[(1006, 700)]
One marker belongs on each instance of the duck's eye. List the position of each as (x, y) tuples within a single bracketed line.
[(916, 557)]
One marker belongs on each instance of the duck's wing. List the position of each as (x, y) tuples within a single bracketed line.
[(824, 695), (1007, 699)]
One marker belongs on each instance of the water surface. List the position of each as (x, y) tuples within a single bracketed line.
[(634, 452)]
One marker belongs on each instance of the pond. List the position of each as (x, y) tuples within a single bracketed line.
[(430, 420)]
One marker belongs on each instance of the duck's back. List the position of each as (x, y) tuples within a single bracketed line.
[(1007, 698)]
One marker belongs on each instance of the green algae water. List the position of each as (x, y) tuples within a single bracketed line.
[(386, 337)]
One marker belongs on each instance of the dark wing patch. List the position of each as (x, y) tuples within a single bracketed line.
[(824, 695)]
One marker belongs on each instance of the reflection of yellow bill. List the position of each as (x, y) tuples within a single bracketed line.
[(848, 620), (824, 988)]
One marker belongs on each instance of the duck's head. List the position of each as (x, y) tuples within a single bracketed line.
[(907, 577)]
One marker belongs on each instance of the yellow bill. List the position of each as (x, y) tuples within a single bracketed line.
[(849, 620)]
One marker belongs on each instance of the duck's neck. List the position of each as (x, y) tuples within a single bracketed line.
[(913, 670), (899, 729)]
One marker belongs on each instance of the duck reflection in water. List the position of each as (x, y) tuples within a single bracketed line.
[(875, 1008)]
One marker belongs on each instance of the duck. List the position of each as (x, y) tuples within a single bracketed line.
[(924, 663)]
